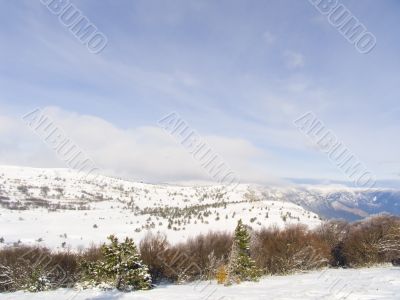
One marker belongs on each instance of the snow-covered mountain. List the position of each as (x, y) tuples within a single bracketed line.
[(58, 207), (339, 202)]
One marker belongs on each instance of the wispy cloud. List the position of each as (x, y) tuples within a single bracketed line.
[(269, 37), (141, 153), (294, 60)]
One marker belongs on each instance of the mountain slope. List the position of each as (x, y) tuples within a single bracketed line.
[(57, 208)]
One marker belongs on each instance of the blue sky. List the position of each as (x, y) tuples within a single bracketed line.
[(239, 72)]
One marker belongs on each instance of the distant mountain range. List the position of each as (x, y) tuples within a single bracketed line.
[(344, 202)]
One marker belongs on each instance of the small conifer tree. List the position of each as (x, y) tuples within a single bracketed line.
[(121, 268), (241, 266), (38, 281)]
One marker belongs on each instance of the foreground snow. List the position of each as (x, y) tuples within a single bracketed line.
[(373, 283)]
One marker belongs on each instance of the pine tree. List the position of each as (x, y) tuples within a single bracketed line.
[(121, 268), (241, 266), (38, 282)]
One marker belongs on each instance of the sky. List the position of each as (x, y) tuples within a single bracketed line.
[(239, 72)]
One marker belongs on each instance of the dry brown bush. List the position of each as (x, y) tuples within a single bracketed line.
[(199, 257), (20, 264), (373, 241), (152, 248), (333, 233), (288, 250)]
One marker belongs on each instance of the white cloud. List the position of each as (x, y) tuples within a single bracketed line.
[(294, 60), (142, 153), (269, 37)]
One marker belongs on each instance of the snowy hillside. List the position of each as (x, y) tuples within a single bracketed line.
[(57, 208), (368, 284)]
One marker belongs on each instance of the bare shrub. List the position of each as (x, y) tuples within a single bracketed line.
[(288, 250), (373, 241), (199, 257), (151, 249), (333, 233), (210, 251), (34, 268)]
